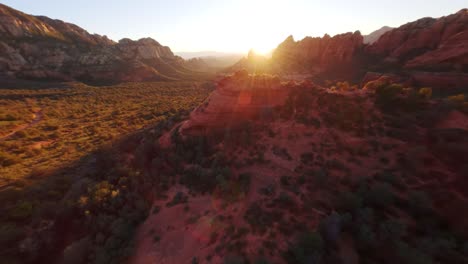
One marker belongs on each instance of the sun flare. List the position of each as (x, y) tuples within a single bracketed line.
[(262, 50)]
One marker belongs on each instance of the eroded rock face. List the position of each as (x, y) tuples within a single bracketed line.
[(144, 49), (42, 48), (450, 54), (428, 43), (319, 53), (15, 24), (237, 98)]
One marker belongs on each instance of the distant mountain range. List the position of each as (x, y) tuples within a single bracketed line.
[(205, 54), (37, 47)]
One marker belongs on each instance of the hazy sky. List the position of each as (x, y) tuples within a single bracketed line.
[(233, 25)]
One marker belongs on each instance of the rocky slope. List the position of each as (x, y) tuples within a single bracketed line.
[(42, 48), (374, 172), (428, 52), (428, 43)]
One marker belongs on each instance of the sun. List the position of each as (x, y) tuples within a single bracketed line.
[(262, 46), (262, 50)]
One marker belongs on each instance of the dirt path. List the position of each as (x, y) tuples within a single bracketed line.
[(37, 117)]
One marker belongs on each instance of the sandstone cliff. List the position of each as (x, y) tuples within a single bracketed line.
[(428, 52), (42, 48), (318, 54), (428, 44)]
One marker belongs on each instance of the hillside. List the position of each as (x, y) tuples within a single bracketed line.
[(46, 49), (427, 52), (334, 175), (262, 170)]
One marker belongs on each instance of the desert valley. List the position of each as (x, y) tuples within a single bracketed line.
[(345, 149)]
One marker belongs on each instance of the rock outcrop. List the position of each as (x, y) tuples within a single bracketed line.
[(428, 43), (237, 98), (318, 54), (42, 48), (428, 52)]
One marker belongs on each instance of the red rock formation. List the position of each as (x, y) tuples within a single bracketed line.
[(15, 24), (43, 48), (450, 54), (427, 43), (318, 53), (236, 99)]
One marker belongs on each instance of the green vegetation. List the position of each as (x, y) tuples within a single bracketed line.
[(368, 214), (307, 248), (305, 213), (78, 120), (62, 170)]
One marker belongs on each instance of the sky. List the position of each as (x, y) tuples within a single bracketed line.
[(233, 25)]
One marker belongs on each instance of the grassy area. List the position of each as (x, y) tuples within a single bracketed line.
[(69, 123)]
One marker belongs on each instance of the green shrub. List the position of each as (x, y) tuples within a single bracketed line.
[(244, 181), (10, 234), (465, 248), (436, 245), (330, 227), (321, 177), (387, 94), (365, 236), (419, 202), (309, 246), (411, 255), (389, 177), (364, 216), (456, 99), (21, 211), (392, 230), (307, 157), (380, 195), (8, 117), (349, 202), (179, 198), (234, 260), (261, 260), (7, 159), (21, 134), (425, 92)]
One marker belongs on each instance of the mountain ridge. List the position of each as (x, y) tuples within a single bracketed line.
[(425, 52), (38, 47)]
